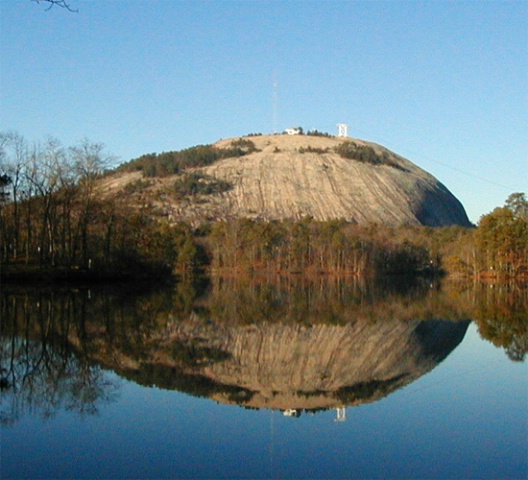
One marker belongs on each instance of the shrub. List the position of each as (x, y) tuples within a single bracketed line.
[(317, 133), (239, 148), (172, 163), (137, 186), (199, 184), (365, 154), (310, 149)]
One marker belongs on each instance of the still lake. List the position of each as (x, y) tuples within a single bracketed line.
[(261, 378)]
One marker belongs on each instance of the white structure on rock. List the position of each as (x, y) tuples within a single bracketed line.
[(342, 130), (340, 414), (293, 131)]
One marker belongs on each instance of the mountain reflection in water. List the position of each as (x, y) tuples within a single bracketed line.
[(298, 367), (293, 345)]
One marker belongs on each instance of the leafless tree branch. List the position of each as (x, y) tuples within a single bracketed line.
[(60, 3)]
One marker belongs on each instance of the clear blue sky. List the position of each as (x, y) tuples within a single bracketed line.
[(444, 84)]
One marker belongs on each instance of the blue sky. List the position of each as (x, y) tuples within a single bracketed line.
[(443, 83)]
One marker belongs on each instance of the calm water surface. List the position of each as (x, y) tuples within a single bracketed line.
[(289, 379)]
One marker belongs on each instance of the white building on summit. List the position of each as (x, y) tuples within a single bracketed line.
[(293, 131)]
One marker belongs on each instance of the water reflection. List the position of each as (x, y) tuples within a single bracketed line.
[(294, 345), (300, 367), (501, 313)]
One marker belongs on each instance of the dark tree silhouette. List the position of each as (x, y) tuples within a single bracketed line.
[(60, 3)]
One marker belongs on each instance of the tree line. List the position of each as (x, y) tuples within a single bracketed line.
[(309, 246), (175, 162), (497, 247), (54, 215)]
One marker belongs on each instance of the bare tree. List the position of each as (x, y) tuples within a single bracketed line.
[(13, 163), (89, 161), (60, 3), (45, 172)]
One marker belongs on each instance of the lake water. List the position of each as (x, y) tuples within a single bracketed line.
[(290, 378)]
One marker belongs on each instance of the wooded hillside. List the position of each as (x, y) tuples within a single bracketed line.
[(58, 212)]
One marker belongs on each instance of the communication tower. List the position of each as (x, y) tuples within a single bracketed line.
[(275, 100)]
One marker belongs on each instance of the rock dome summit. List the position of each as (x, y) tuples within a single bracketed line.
[(292, 177)]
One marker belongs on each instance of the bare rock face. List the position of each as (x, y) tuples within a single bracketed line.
[(299, 176), (302, 176)]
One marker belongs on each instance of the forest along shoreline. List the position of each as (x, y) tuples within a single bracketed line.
[(496, 250)]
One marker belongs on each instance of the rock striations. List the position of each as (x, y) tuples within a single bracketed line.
[(299, 176), (302, 176)]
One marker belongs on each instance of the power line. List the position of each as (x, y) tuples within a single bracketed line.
[(417, 156), (429, 159), (472, 175)]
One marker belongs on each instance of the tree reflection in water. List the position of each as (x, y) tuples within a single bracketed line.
[(291, 344), (44, 375), (501, 314)]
